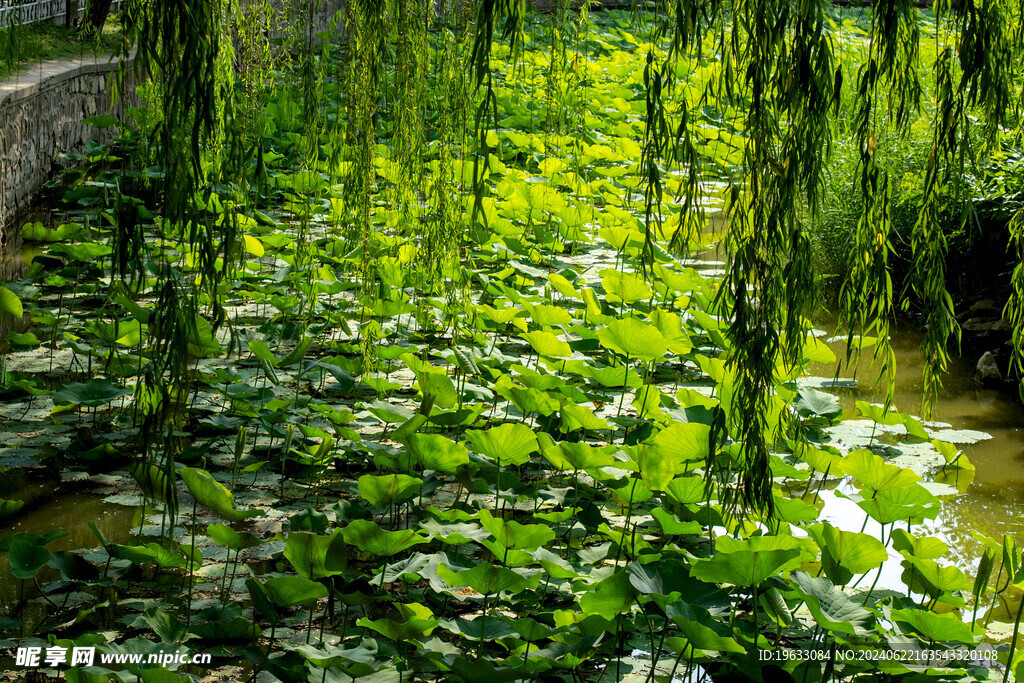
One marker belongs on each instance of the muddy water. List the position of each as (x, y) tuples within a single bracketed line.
[(993, 502), (48, 506), (47, 510)]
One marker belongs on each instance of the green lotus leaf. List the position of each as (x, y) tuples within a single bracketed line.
[(262, 601), (418, 622), (703, 631), (671, 327), (268, 362), (150, 552), (11, 507), (654, 464), (437, 452), (488, 579), (224, 535), (870, 471), (633, 338), (225, 624), (27, 559), (515, 536), (953, 456), (407, 569), (544, 315), (547, 344), (165, 625), (624, 287), (845, 553), (817, 351), (914, 427), (612, 377), (385, 490), (154, 481), (819, 460), (438, 385), (334, 656), (924, 547), (813, 403), (389, 413), (831, 608), (672, 525), (10, 303), (935, 628), (609, 597), (567, 455), (308, 519), (899, 504), (213, 495), (669, 581), (84, 251), (748, 563), (876, 413), (529, 629), (370, 538), (576, 417), (686, 490), (501, 316), (683, 442), (794, 510), (289, 591), (456, 533), (479, 628), (35, 539), (506, 444), (74, 567), (315, 556), (932, 579), (95, 392)]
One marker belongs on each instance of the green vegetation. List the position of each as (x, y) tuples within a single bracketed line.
[(412, 380), (22, 46)]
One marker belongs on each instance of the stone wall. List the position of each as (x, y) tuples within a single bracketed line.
[(41, 113)]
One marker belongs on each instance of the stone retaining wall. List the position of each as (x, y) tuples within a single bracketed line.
[(41, 113)]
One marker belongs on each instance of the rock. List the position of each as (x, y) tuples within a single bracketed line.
[(987, 371), (984, 306), (986, 326)]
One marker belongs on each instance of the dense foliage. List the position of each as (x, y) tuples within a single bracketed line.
[(360, 332)]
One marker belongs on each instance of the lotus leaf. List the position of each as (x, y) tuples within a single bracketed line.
[(370, 538), (633, 338)]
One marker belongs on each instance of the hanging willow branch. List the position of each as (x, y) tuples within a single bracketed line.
[(178, 46)]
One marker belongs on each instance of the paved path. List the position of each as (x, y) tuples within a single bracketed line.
[(33, 77)]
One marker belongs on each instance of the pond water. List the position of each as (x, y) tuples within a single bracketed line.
[(991, 505), (48, 507)]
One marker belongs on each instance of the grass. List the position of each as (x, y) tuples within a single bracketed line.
[(22, 46)]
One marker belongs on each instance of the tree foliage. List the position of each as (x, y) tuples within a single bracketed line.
[(777, 64)]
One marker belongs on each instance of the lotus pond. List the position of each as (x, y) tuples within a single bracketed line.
[(488, 465)]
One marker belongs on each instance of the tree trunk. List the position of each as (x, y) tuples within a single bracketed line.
[(96, 15)]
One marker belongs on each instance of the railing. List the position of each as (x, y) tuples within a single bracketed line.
[(30, 11)]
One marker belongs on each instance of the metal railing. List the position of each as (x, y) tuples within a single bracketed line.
[(23, 12)]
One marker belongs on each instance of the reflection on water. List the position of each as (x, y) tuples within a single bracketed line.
[(992, 503), (71, 513)]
